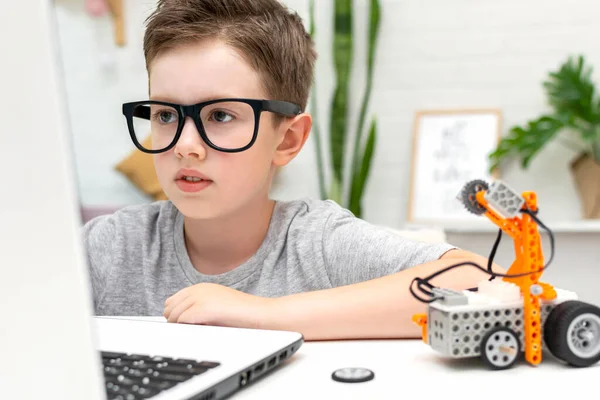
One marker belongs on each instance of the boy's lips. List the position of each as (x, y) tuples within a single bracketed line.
[(189, 180), (192, 173)]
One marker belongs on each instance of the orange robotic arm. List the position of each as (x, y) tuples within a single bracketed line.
[(519, 223)]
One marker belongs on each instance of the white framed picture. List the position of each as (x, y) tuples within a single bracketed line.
[(450, 148)]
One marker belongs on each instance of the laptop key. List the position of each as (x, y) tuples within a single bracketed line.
[(116, 362), (182, 370), (171, 377), (153, 384), (108, 354), (114, 391), (128, 396), (122, 396), (183, 361), (112, 371), (208, 364), (141, 364), (161, 359), (146, 392), (111, 380), (136, 372), (123, 380), (135, 357), (162, 385)]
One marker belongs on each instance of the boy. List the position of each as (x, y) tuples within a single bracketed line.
[(219, 251)]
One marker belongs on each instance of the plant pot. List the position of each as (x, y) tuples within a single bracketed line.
[(586, 173)]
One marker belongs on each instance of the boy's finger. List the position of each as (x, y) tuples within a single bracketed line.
[(173, 315), (176, 298), (171, 304)]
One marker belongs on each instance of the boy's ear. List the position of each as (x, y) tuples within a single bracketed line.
[(292, 139)]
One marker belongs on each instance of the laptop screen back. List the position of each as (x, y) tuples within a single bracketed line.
[(45, 334)]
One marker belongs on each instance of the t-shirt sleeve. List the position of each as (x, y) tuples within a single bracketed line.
[(98, 239), (357, 251)]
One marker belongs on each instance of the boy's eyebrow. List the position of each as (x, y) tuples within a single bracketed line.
[(169, 99)]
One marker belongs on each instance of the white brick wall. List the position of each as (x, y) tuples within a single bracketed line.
[(433, 54)]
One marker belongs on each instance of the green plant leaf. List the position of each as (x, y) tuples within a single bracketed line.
[(343, 54), (361, 175), (316, 131), (570, 89), (525, 142), (374, 22), (572, 95), (335, 193)]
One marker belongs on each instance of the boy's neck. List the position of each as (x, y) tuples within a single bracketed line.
[(220, 245)]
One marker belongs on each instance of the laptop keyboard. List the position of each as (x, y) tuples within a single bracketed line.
[(137, 376)]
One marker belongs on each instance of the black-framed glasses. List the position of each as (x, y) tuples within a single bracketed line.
[(228, 125)]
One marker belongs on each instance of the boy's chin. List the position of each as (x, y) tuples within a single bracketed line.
[(196, 208)]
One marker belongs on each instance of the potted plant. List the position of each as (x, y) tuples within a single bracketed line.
[(575, 110), (348, 176)]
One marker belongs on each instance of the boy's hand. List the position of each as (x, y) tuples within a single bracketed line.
[(212, 304)]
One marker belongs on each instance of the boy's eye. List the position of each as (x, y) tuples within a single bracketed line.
[(165, 116), (221, 116)]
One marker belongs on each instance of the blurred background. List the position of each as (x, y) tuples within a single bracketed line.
[(531, 63)]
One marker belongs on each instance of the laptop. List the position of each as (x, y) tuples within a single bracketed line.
[(51, 344)]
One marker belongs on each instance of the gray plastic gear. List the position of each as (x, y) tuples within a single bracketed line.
[(467, 195)]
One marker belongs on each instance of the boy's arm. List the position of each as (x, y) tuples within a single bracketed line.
[(379, 308), (370, 271)]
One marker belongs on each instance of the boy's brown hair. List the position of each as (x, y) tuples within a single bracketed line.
[(272, 39)]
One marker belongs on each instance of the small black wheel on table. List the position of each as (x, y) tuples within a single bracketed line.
[(500, 348)]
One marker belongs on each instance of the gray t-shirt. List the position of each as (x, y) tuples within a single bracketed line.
[(138, 258)]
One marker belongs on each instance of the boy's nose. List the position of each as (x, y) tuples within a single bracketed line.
[(190, 144)]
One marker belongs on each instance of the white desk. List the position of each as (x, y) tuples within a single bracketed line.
[(402, 367), (411, 369)]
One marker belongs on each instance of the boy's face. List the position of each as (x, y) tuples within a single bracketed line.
[(205, 71)]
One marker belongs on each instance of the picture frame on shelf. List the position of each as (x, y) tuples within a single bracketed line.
[(449, 148)]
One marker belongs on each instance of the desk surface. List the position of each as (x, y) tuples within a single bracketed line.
[(403, 367)]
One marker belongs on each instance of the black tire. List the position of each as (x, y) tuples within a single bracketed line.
[(567, 344), (489, 348), (468, 193)]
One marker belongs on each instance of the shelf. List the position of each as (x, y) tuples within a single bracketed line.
[(582, 226)]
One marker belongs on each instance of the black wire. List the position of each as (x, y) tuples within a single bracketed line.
[(491, 259), (420, 282), (493, 253), (425, 281)]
